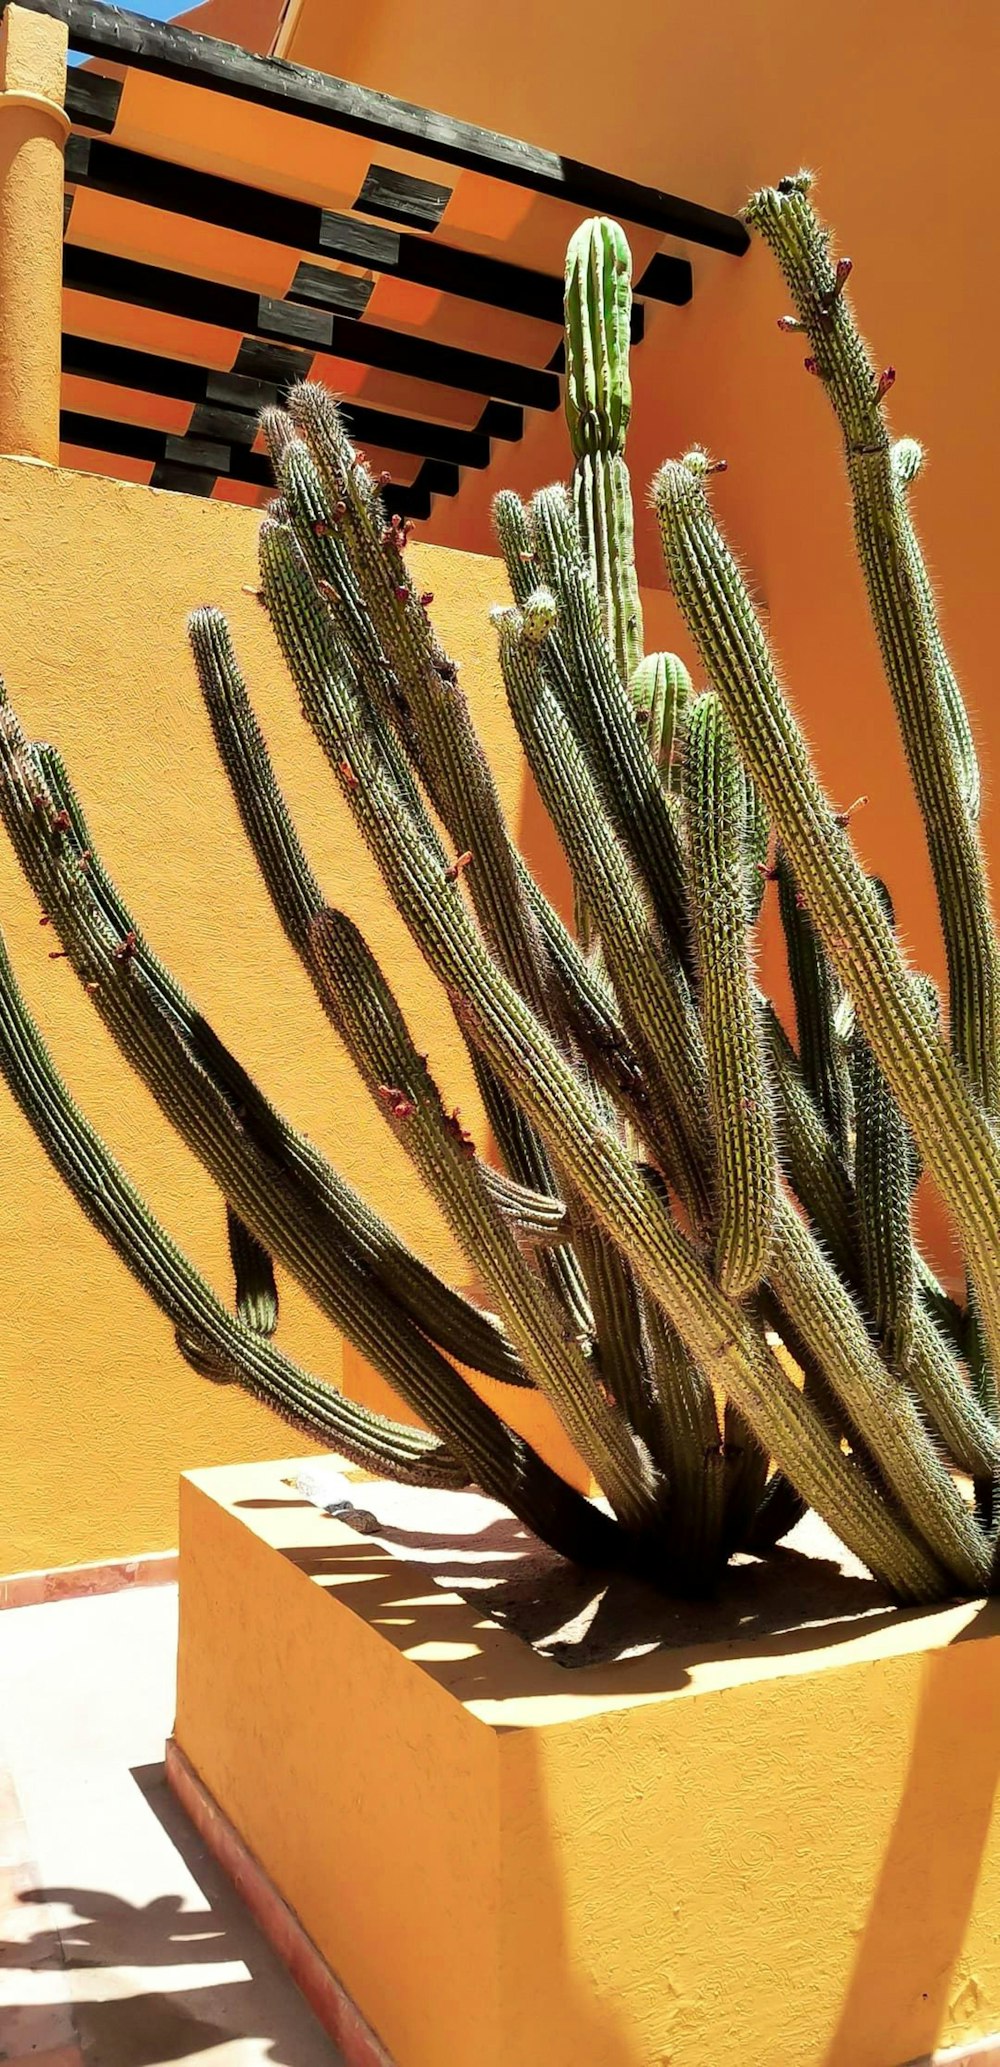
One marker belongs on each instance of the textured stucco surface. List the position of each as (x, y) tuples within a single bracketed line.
[(98, 1413), (774, 1850)]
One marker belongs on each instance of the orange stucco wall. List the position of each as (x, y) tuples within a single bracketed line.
[(677, 1860), (895, 109), (98, 1413)]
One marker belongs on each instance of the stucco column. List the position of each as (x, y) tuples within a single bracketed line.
[(33, 131)]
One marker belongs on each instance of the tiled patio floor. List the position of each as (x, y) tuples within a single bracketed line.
[(121, 1943)]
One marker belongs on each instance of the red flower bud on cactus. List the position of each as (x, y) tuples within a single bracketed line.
[(126, 948), (85, 858), (61, 822), (811, 367), (90, 988), (790, 323), (45, 920), (451, 875), (347, 772), (717, 466), (886, 380), (427, 598), (402, 592), (57, 954), (385, 478), (340, 510), (320, 529), (399, 1105)]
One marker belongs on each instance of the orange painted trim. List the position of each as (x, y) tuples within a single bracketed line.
[(72, 1582), (327, 1997)]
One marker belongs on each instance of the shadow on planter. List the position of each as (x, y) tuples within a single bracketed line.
[(904, 1981)]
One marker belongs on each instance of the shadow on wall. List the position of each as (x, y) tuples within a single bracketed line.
[(906, 1983)]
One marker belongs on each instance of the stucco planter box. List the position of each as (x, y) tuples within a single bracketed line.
[(769, 1845)]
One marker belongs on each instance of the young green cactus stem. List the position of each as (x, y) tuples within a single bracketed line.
[(598, 406), (956, 1138), (924, 690), (660, 687), (745, 1162)]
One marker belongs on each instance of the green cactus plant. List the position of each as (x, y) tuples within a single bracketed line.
[(678, 1183)]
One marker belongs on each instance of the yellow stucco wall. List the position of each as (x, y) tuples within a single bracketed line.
[(777, 1852), (97, 1411)]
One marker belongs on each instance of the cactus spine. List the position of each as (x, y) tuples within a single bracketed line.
[(677, 1181)]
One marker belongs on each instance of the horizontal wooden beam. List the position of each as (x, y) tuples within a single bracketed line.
[(254, 211), (193, 465), (239, 396), (98, 30), (238, 308)]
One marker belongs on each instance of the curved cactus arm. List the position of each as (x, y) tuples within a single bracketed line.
[(905, 620), (957, 1140), (352, 553), (253, 1273), (382, 1049), (718, 1334), (817, 996), (236, 1351), (907, 459), (459, 1327), (739, 1098), (534, 1216), (598, 399), (241, 1164)]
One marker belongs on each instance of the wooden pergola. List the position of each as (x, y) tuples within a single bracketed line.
[(375, 282)]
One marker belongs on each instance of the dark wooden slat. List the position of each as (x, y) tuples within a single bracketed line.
[(176, 53), (184, 480), (278, 218), (237, 308), (101, 434), (500, 420), (320, 287), (238, 391), (196, 452), (660, 281), (227, 404), (180, 462), (126, 368), (291, 321), (92, 100), (416, 203), (271, 362), (228, 426)]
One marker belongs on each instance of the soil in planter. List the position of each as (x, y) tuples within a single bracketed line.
[(471, 1546)]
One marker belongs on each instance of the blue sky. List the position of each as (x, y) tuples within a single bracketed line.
[(157, 10)]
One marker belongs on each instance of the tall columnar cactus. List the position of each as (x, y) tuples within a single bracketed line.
[(678, 1181), (598, 407)]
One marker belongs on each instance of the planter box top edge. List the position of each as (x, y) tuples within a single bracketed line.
[(496, 1676)]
